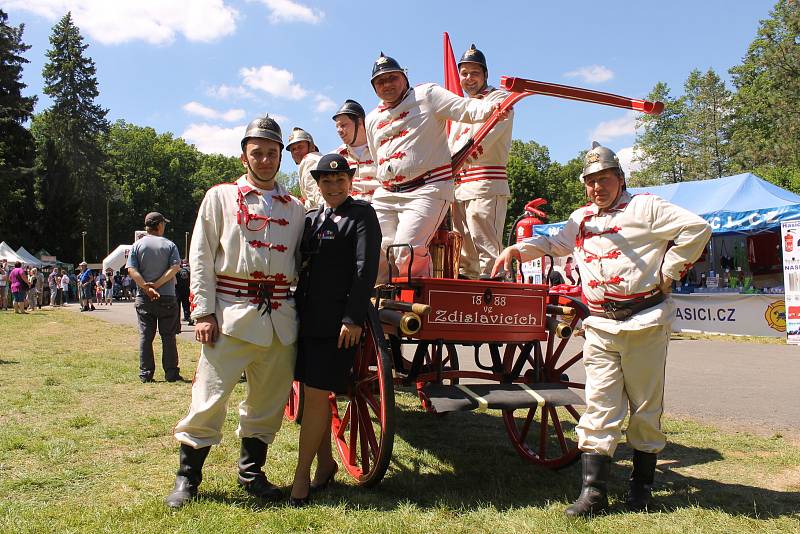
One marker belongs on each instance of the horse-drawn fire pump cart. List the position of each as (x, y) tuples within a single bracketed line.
[(518, 334)]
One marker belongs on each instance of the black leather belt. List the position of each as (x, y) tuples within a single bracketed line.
[(621, 310), (406, 187)]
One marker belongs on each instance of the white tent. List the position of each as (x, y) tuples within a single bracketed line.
[(117, 259), (28, 258), (7, 253)]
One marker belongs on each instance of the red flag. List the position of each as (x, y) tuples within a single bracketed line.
[(451, 79)]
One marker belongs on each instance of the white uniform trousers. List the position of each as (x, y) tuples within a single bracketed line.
[(480, 221), (270, 371), (624, 369), (412, 221)]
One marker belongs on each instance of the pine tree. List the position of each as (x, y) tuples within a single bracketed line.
[(662, 141), (16, 143), (766, 129), (708, 119), (69, 138)]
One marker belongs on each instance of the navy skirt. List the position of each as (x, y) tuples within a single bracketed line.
[(320, 364)]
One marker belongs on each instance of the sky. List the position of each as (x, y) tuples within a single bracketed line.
[(202, 69)]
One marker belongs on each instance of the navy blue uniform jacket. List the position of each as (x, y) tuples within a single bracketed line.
[(339, 268)]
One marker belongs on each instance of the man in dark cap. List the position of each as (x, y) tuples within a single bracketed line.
[(152, 263)]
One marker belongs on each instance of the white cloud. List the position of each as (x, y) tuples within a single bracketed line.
[(288, 11), (213, 139), (607, 130), (628, 159), (196, 108), (152, 21), (225, 92), (323, 104), (277, 82), (591, 74)]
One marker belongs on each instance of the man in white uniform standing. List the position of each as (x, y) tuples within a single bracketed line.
[(349, 121), (306, 155), (242, 259), (407, 138), (630, 248), (479, 212)]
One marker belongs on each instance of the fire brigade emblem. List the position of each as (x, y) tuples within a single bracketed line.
[(776, 316), (592, 157), (382, 60), (334, 164)]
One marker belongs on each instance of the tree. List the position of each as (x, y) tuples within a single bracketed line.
[(766, 128), (16, 143), (70, 145), (527, 166), (662, 141), (708, 120)]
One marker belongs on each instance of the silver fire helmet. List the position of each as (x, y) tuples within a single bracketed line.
[(597, 159)]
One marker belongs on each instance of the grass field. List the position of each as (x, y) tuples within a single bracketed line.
[(85, 447)]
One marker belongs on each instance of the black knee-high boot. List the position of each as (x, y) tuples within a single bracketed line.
[(594, 492), (641, 482), (251, 477), (189, 476)]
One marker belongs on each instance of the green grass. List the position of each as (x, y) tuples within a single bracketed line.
[(85, 447)]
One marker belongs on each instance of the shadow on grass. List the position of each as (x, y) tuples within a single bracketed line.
[(466, 461), (8, 362)]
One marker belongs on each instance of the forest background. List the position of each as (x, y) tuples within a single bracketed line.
[(68, 170)]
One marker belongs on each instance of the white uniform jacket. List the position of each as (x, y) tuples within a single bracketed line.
[(408, 142), (484, 173), (308, 186), (243, 258), (623, 252), (364, 180)]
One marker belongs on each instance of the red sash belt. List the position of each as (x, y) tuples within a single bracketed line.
[(485, 172), (265, 293), (439, 174)]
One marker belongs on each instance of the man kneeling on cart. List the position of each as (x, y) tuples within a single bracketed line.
[(629, 248)]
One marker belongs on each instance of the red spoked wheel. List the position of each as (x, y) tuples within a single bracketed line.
[(545, 435), (363, 421), (294, 406)]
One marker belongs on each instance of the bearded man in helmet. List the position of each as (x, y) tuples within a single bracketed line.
[(407, 138), (349, 119), (630, 248), (242, 259), (481, 186), (306, 155)]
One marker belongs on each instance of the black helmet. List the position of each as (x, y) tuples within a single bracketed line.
[(386, 64), (350, 107), (263, 128), (332, 163), (473, 55)]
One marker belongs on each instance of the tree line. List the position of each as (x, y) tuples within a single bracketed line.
[(67, 170)]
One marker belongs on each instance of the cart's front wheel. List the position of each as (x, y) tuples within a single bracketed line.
[(363, 420)]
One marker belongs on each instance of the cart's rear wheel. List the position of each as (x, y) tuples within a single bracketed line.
[(544, 435), (294, 406), (363, 420)]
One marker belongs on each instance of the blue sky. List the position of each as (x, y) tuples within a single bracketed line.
[(202, 68)]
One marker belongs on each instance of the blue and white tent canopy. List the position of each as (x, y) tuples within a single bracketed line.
[(743, 203)]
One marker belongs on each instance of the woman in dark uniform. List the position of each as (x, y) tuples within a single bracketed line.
[(340, 248)]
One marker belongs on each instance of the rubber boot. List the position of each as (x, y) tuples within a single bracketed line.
[(594, 492), (641, 482), (251, 477), (189, 476)]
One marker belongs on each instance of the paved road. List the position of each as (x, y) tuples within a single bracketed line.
[(740, 386)]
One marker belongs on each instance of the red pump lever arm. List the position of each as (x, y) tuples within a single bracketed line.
[(521, 85), (520, 88)]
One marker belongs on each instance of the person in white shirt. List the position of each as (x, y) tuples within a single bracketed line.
[(630, 249), (306, 155)]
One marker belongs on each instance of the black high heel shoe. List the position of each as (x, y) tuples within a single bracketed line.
[(324, 484), (300, 502)]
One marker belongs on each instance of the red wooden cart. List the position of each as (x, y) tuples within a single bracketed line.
[(518, 332)]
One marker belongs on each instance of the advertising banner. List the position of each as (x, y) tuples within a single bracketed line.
[(790, 233), (730, 313)]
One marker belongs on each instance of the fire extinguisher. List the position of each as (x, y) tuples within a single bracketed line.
[(523, 226), (788, 242)]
